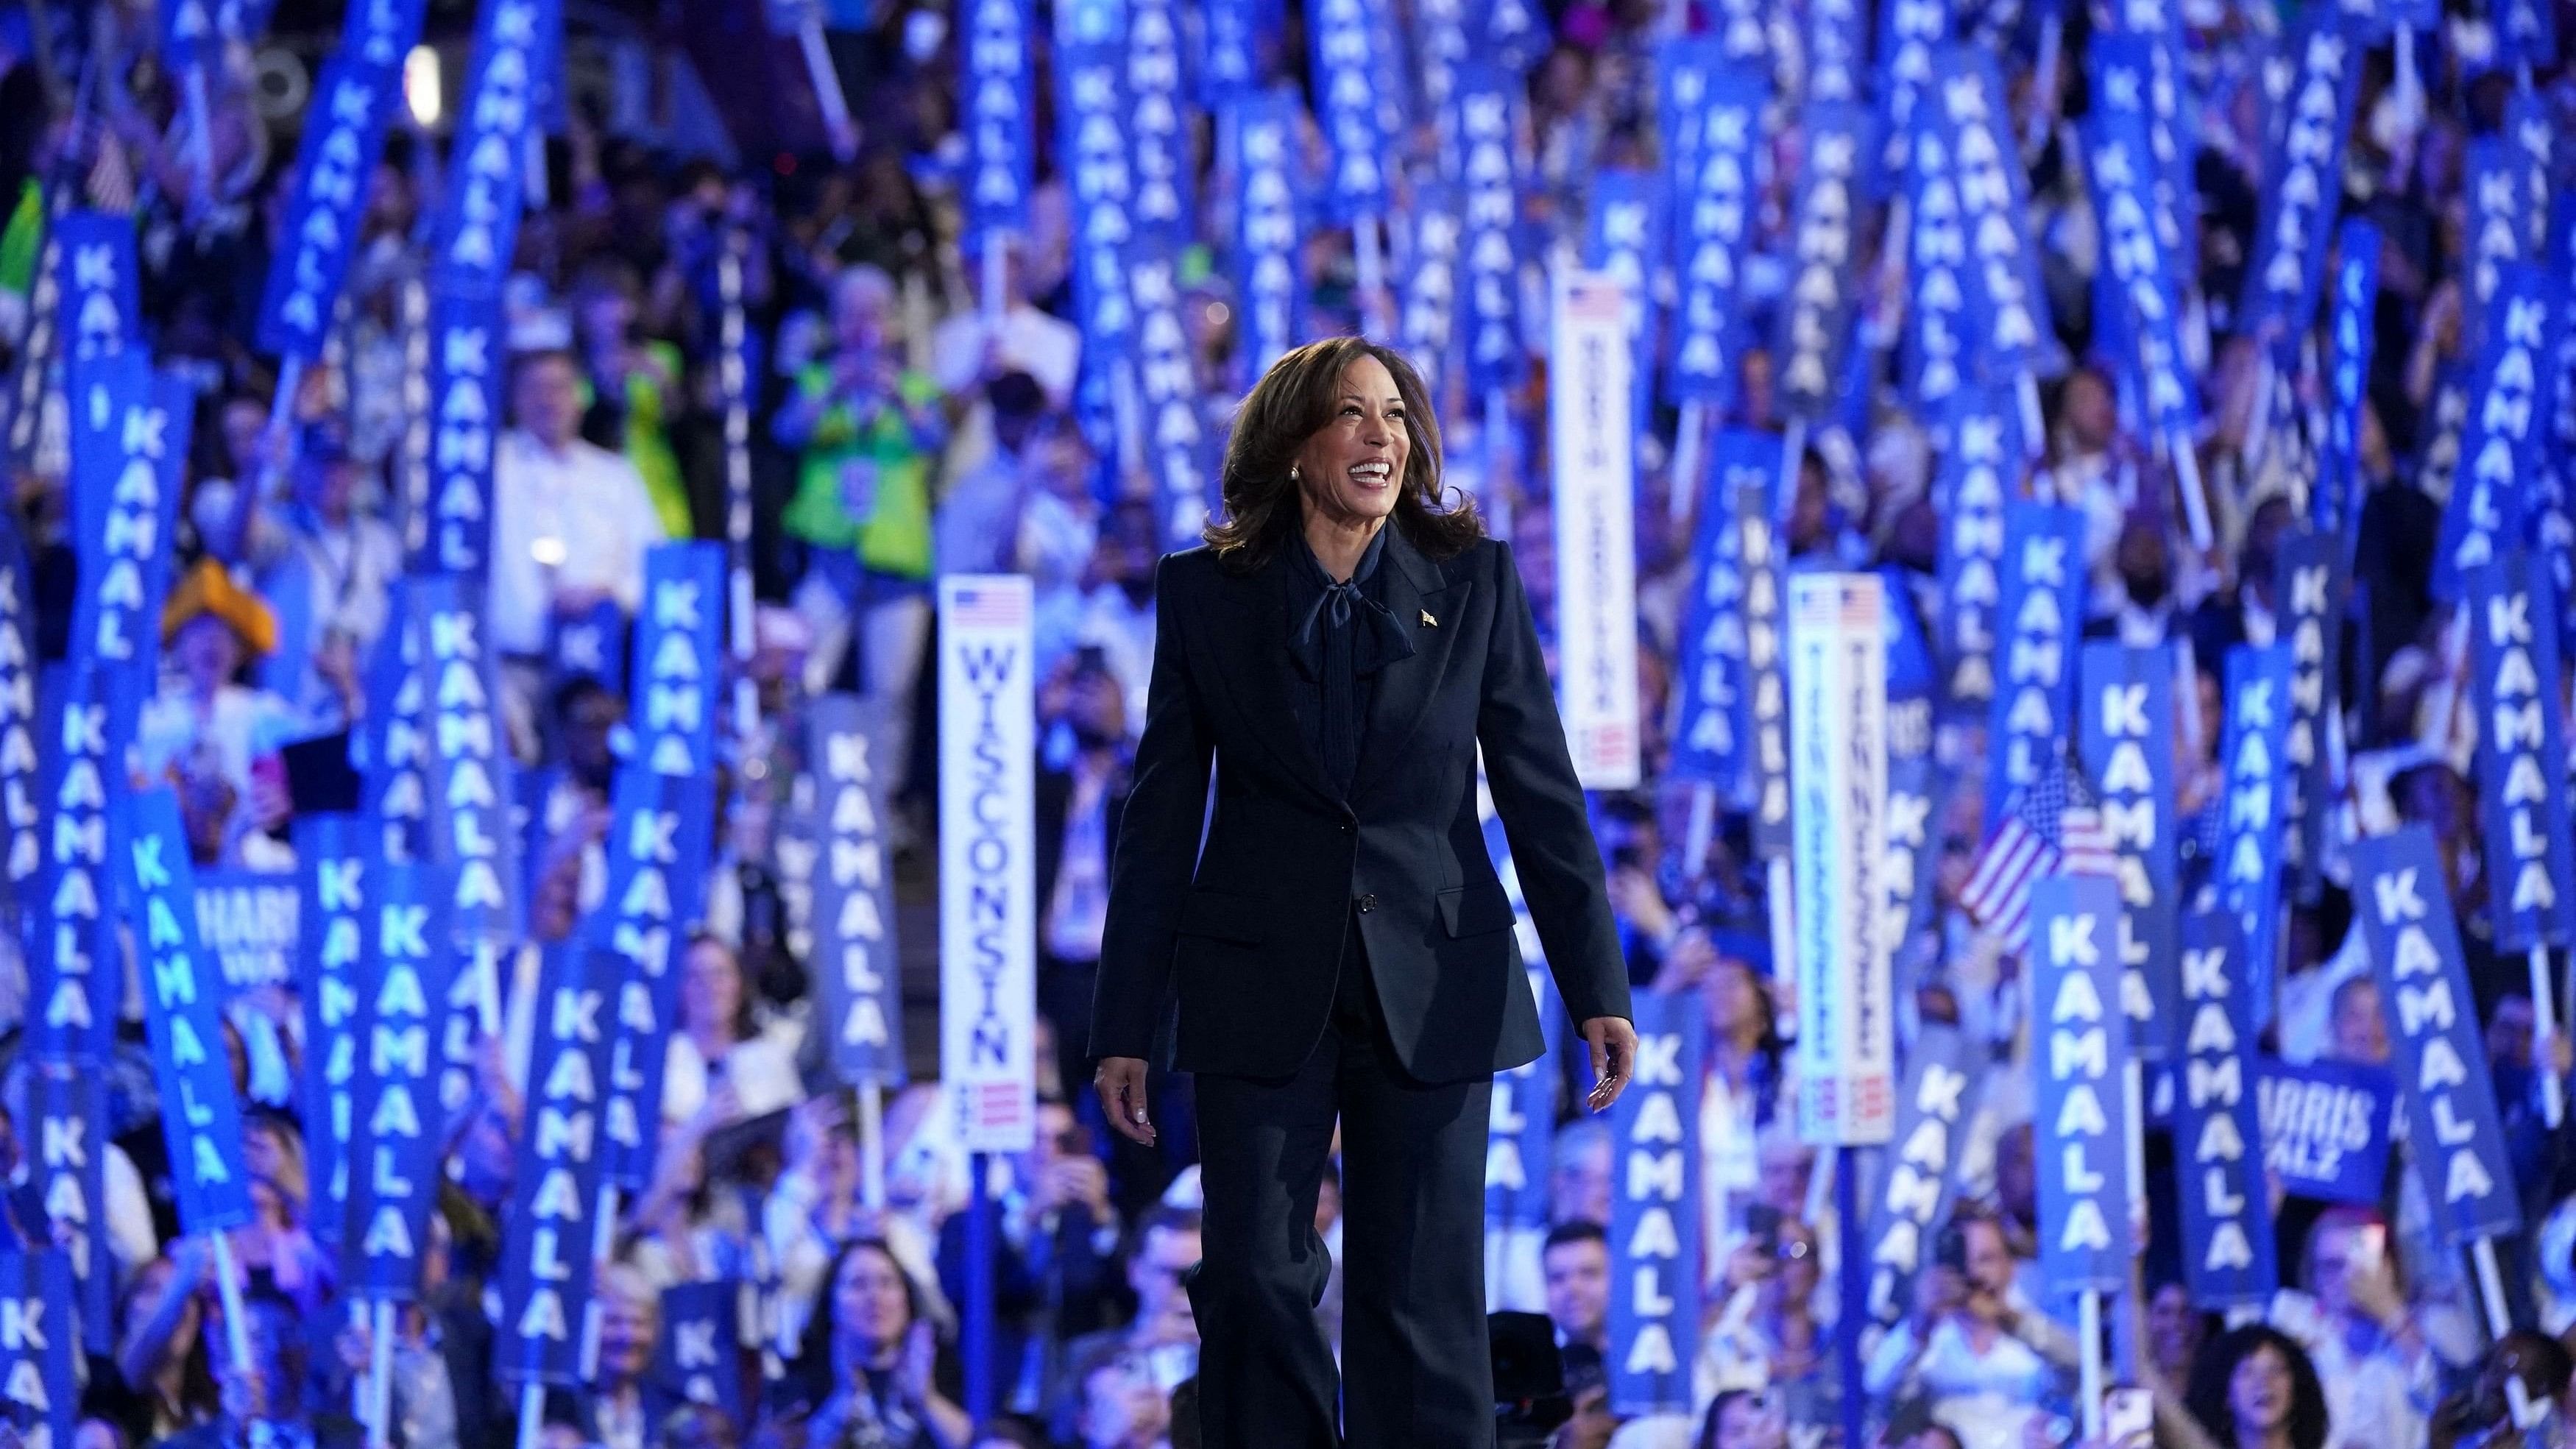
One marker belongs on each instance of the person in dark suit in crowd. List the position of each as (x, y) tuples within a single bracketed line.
[(1332, 933)]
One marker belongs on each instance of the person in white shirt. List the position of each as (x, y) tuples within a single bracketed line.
[(570, 520), (329, 571)]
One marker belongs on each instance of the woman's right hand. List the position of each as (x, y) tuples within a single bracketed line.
[(1121, 1084)]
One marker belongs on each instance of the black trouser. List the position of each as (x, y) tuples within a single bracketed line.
[(1416, 1370)]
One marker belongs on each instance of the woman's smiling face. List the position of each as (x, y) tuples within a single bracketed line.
[(1352, 470)]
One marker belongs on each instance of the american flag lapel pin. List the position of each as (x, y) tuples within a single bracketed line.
[(1428, 622)]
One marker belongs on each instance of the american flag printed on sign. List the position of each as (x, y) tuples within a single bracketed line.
[(2053, 827), (981, 606)]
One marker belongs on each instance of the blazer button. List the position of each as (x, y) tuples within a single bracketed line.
[(1344, 827), (1368, 903)]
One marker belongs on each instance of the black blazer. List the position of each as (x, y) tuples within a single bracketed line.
[(1246, 930)]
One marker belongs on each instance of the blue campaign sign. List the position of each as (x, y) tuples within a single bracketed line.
[(1937, 360), (2041, 614), (698, 1359), (2122, 170), (1837, 36), (468, 761), (1976, 473), (588, 645), (393, 1154), (21, 768), (1092, 155), (1812, 334), (2334, 506), (2301, 194), (98, 289), (853, 956), (130, 430), (2522, 753), (71, 942), (2228, 1256), (389, 747), (2309, 575), (1177, 445), (2252, 751), (1655, 1210), (381, 33), (1427, 298), (679, 643), (1907, 32), (2136, 83), (1911, 860), (344, 132), (1763, 557), (1513, 33), (660, 838), (547, 1249), (2526, 33), (468, 346), (246, 922), (2006, 324), (517, 48), (2498, 234), (65, 1144), (2085, 1237), (38, 1382), (1341, 48), (1269, 256), (1708, 740), (1232, 35), (2528, 127), (1520, 1130), (1624, 234), (999, 105), (1485, 100), (331, 861), (1159, 124), (1944, 1075), (2127, 750), (2501, 444), (1715, 202), (2327, 1128), (2455, 1136), (200, 1113)]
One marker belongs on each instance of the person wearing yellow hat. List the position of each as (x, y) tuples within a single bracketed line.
[(203, 727)]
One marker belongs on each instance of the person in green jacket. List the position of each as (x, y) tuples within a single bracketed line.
[(868, 432), (631, 389)]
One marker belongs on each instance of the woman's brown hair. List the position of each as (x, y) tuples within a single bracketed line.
[(1292, 402)]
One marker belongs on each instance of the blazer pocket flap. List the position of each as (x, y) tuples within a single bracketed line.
[(1223, 917), (1472, 910)]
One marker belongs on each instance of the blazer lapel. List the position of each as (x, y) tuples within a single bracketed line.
[(1255, 666), (1427, 607)]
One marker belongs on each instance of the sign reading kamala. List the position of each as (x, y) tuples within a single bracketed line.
[(2327, 1127), (467, 348), (2128, 752), (547, 1253), (516, 47), (1707, 741), (987, 882), (2007, 327), (1520, 1125), (662, 828), (97, 284), (344, 131), (2042, 609), (2522, 752), (1943, 1077), (1489, 164), (200, 1113), (1716, 203), (2502, 445), (246, 919), (1268, 262), (1346, 105), (1596, 560), (2251, 751), (1838, 741), (20, 769), (67, 1179), (1814, 326), (2310, 576), (1001, 127), (2084, 1229), (331, 867), (678, 641), (2335, 506), (2455, 1137), (1764, 559), (468, 776), (1654, 1210), (853, 891), (2218, 1139), (696, 1360), (39, 1389), (393, 1174), (2288, 266), (1977, 473)]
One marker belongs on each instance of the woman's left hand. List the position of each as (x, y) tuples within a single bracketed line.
[(1614, 1055)]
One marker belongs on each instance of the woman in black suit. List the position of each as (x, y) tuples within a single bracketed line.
[(1339, 946)]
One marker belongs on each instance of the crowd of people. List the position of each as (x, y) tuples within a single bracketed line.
[(907, 425)]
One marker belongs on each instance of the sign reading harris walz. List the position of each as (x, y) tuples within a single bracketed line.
[(2456, 1138)]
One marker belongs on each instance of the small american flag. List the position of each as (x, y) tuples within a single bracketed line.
[(995, 605), (2053, 827)]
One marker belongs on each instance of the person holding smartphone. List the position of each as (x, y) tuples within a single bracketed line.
[(2370, 1346), (1987, 1361)]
